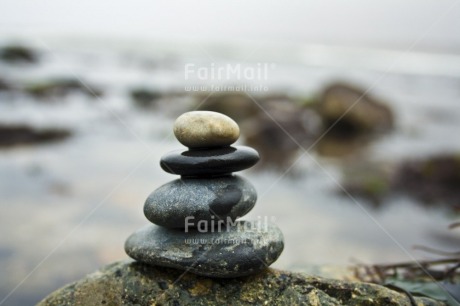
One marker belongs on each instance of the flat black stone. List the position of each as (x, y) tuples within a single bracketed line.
[(209, 162)]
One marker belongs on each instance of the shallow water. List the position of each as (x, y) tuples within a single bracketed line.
[(67, 207)]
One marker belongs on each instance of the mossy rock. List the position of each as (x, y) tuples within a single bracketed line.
[(132, 283), (432, 179), (144, 97), (18, 54), (15, 135), (58, 88), (5, 85), (350, 110)]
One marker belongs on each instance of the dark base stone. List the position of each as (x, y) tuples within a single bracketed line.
[(242, 250), (209, 162)]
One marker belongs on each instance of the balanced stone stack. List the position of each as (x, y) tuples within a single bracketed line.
[(195, 227)]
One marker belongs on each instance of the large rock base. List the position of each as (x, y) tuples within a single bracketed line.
[(133, 283)]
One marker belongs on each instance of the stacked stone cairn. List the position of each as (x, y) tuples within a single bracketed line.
[(195, 227)]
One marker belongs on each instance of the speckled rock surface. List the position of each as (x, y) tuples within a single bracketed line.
[(201, 198), (209, 162), (132, 283), (204, 129), (243, 249)]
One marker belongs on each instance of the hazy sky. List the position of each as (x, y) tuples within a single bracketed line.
[(390, 23)]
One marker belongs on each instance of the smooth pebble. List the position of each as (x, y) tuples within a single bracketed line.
[(200, 199), (205, 129)]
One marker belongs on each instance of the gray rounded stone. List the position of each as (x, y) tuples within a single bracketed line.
[(206, 199), (238, 250), (205, 129)]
